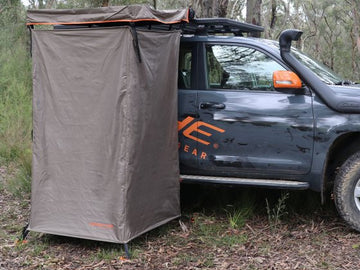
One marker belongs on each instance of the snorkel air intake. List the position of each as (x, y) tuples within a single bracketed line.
[(335, 102), (286, 37)]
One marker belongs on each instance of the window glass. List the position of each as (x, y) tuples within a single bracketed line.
[(184, 75), (242, 68), (325, 74)]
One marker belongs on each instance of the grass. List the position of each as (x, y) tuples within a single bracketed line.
[(207, 260), (278, 211), (238, 215), (15, 105), (109, 254), (20, 183), (15, 100), (2, 186), (210, 241), (215, 232)]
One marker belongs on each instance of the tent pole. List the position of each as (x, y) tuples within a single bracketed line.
[(128, 256), (24, 233)]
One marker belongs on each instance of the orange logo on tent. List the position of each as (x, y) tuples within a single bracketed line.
[(101, 225)]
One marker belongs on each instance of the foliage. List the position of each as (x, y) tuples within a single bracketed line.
[(213, 232), (331, 27), (15, 91), (241, 210), (20, 183), (278, 211), (238, 216), (328, 31)]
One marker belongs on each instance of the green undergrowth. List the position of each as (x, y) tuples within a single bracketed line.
[(276, 212), (19, 184), (15, 102), (214, 231), (239, 204)]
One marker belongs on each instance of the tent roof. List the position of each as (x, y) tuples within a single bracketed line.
[(132, 13)]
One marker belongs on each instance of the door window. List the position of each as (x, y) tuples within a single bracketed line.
[(241, 68), (184, 75)]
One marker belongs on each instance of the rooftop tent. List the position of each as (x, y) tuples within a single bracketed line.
[(105, 159), (133, 13)]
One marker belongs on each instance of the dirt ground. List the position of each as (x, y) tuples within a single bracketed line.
[(210, 235)]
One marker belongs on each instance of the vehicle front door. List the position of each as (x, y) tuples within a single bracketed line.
[(245, 127)]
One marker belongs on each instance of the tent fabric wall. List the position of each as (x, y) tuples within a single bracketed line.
[(105, 160)]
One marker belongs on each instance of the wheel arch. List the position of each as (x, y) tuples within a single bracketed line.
[(338, 153)]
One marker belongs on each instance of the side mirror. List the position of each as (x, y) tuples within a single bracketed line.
[(286, 79)]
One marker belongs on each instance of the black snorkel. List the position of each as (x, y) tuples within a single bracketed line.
[(335, 102)]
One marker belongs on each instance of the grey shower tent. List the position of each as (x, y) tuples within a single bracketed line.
[(105, 160)]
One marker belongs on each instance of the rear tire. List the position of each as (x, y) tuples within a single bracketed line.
[(347, 191)]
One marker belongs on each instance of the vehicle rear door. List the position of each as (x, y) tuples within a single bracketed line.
[(187, 106)]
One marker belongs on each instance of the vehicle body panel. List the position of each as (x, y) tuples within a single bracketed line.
[(265, 133), (269, 135)]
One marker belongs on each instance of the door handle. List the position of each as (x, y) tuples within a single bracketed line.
[(212, 105)]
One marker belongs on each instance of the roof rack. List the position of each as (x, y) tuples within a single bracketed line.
[(207, 26), (203, 26)]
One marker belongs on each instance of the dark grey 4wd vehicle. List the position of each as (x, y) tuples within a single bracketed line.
[(260, 113)]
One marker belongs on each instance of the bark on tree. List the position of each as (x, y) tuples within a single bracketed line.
[(49, 4), (356, 10), (105, 3), (235, 10), (273, 14), (253, 13), (210, 8)]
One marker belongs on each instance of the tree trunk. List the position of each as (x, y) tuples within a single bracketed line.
[(355, 37), (273, 14), (221, 8), (41, 4), (210, 8), (355, 8), (253, 13), (49, 4), (105, 3)]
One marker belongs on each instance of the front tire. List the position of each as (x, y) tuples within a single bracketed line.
[(347, 191)]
